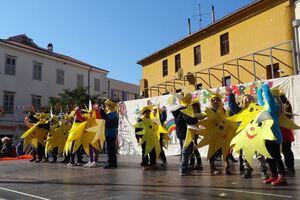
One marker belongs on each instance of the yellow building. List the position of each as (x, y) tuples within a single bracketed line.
[(251, 44)]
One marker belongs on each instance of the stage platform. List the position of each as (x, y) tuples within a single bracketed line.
[(24, 180)]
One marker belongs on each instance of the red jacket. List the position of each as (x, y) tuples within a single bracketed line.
[(287, 135)]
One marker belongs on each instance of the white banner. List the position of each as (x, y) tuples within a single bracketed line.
[(129, 109)]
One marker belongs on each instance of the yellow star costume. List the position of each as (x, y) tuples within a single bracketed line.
[(35, 134), (252, 137), (57, 137), (156, 120), (218, 132), (75, 135), (246, 115), (286, 122), (150, 132)]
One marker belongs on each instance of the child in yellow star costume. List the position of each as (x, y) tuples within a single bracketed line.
[(184, 116), (150, 133), (159, 117), (57, 136), (243, 115), (37, 134), (218, 133), (87, 133), (195, 156)]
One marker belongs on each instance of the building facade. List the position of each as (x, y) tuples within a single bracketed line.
[(30, 75), (122, 91), (253, 43)]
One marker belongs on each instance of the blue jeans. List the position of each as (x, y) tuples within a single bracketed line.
[(185, 157)]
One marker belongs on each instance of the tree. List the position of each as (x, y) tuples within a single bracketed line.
[(70, 98)]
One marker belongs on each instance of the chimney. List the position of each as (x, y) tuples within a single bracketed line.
[(189, 26), (50, 47), (213, 14)]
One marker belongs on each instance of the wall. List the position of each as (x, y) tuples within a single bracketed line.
[(261, 31), (24, 86)]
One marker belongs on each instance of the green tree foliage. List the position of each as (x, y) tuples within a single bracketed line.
[(69, 99)]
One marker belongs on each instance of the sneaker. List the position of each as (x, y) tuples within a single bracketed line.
[(164, 164), (38, 161), (44, 161), (70, 164), (279, 181), (291, 172), (79, 164), (270, 180), (264, 175), (52, 161), (110, 167), (187, 173), (198, 167), (32, 160), (247, 174), (215, 171), (228, 171), (146, 167), (93, 165), (87, 164)]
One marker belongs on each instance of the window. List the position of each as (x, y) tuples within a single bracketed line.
[(177, 62), (116, 94), (37, 71), (197, 55), (8, 102), (131, 96), (226, 81), (36, 101), (60, 79), (79, 80), (224, 44), (165, 67), (275, 71), (10, 65), (97, 84)]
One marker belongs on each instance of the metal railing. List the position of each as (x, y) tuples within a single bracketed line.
[(162, 88)]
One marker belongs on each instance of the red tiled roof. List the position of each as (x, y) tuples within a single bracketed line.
[(38, 49)]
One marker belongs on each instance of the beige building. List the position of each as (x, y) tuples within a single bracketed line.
[(122, 91), (30, 75)]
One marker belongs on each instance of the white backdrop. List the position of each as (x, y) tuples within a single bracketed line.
[(128, 110)]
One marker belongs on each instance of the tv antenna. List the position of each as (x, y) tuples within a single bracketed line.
[(200, 14)]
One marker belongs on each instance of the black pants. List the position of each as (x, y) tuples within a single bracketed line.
[(55, 153), (78, 153), (162, 154), (145, 158), (276, 165), (288, 155), (40, 151), (195, 153), (111, 150)]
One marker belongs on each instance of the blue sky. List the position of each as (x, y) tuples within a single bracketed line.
[(110, 34)]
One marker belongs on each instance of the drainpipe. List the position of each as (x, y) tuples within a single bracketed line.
[(296, 25), (89, 80), (108, 89)]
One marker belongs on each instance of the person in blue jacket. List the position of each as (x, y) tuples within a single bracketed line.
[(111, 131), (275, 109)]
